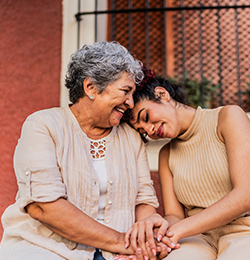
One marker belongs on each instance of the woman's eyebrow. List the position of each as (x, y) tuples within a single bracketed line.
[(138, 116)]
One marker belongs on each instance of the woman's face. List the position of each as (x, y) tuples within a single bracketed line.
[(157, 120), (111, 104)]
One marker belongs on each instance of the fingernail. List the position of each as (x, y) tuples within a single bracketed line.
[(154, 252), (170, 233), (126, 245), (145, 258), (173, 244), (159, 238), (139, 250), (169, 249)]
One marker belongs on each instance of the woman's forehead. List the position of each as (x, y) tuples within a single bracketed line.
[(136, 112)]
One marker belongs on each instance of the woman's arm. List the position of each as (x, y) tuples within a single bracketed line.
[(234, 130), (65, 219), (43, 190), (173, 209), (142, 230)]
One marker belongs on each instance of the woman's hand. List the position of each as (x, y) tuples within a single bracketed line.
[(138, 255), (142, 232), (162, 251)]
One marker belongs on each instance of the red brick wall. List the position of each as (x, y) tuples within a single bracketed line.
[(30, 66)]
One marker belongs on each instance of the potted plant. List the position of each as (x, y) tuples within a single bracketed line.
[(193, 87)]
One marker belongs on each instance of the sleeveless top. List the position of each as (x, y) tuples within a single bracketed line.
[(198, 162)]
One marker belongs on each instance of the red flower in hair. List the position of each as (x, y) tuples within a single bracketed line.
[(148, 76)]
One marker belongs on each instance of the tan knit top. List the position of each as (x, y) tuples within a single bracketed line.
[(198, 162)]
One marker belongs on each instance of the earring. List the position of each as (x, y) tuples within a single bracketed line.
[(91, 97)]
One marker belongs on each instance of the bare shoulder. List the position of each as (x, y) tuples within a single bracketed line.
[(232, 110), (231, 119), (232, 114)]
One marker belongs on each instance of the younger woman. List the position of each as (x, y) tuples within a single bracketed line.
[(204, 171)]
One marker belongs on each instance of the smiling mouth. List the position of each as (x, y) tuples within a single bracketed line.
[(120, 110), (160, 131)]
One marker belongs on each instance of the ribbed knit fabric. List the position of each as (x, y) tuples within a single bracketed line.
[(198, 162)]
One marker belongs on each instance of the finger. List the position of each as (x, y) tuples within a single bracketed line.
[(161, 247), (127, 237), (168, 242), (125, 257), (162, 230), (150, 238), (133, 237), (142, 239), (169, 233), (150, 253), (164, 252), (138, 254), (177, 246)]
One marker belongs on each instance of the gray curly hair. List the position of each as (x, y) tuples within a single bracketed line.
[(103, 63)]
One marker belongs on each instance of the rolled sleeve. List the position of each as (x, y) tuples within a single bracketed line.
[(43, 185), (38, 175)]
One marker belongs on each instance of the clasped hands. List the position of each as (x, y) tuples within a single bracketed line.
[(149, 239)]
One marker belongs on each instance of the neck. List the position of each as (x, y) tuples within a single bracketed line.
[(82, 112), (186, 115)]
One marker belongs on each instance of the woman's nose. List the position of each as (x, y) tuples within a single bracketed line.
[(130, 101), (150, 129)]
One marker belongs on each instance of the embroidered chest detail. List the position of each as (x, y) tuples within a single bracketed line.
[(98, 149)]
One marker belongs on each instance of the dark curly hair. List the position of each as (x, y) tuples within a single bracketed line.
[(146, 89)]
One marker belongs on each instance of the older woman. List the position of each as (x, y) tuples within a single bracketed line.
[(83, 179)]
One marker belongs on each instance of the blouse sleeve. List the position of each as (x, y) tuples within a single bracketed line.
[(35, 164)]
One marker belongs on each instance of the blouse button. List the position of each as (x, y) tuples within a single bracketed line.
[(27, 173), (111, 182), (107, 220), (110, 202)]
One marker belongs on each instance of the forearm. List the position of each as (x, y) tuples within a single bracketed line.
[(143, 211), (172, 219), (65, 219), (220, 213)]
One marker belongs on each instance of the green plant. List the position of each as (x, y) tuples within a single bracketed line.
[(193, 88)]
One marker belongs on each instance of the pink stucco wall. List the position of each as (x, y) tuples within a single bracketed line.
[(30, 66)]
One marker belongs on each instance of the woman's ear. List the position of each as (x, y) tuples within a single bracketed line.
[(162, 93), (89, 88)]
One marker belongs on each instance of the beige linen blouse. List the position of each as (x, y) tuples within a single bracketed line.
[(52, 160)]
